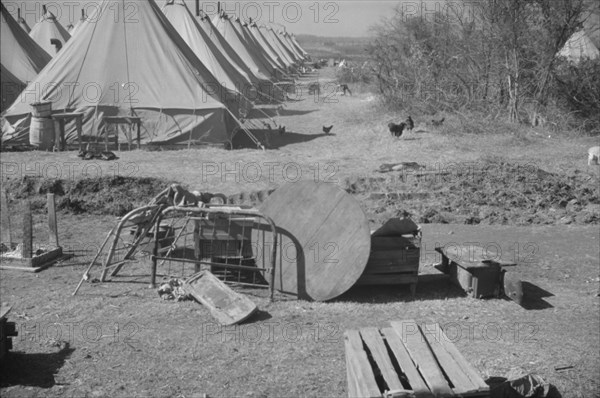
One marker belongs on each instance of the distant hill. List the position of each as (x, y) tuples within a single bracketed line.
[(351, 48)]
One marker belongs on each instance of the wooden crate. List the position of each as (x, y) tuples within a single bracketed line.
[(221, 237), (393, 260), (7, 330), (469, 269), (406, 361)]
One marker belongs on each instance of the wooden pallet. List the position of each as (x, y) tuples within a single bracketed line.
[(406, 361)]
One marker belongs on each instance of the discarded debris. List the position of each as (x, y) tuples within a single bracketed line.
[(225, 305), (173, 290), (387, 167), (527, 386)]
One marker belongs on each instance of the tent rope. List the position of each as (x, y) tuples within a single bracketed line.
[(127, 61)]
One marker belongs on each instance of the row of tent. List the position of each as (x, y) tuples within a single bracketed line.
[(189, 79)]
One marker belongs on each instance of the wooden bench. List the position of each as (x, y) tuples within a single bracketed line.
[(406, 360)]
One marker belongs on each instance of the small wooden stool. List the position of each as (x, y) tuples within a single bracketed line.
[(118, 120), (60, 142)]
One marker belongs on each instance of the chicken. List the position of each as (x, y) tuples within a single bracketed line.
[(397, 129), (410, 124), (89, 155), (108, 156), (438, 123), (594, 155), (326, 130)]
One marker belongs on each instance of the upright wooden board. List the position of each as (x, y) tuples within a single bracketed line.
[(5, 220), (225, 305), (323, 239)]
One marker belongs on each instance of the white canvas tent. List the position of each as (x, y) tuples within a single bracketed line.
[(78, 23), (20, 56), (226, 28), (144, 69), (48, 31), (189, 29), (578, 47), (226, 50)]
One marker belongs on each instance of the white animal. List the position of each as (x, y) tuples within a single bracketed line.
[(594, 155)]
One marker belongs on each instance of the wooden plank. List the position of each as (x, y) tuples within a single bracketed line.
[(5, 220), (225, 305), (4, 310), (467, 368), (27, 248), (363, 383), (67, 115), (324, 239), (52, 225), (121, 119), (376, 345), (387, 279), (461, 381), (422, 356), (396, 256), (28, 269), (383, 243), (471, 256), (406, 363), (351, 379)]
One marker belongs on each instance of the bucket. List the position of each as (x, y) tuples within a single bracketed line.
[(41, 109), (41, 133)]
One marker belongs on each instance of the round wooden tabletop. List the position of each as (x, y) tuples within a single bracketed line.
[(323, 239)]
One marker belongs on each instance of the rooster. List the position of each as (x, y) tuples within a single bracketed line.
[(397, 129), (410, 124), (326, 130), (438, 123)]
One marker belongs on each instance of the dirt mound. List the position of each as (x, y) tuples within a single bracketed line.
[(489, 193), (103, 195)]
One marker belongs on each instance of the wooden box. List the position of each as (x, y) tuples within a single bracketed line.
[(393, 260), (7, 330), (406, 360), (33, 264), (470, 270)]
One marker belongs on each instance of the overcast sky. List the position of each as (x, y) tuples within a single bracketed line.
[(323, 18)]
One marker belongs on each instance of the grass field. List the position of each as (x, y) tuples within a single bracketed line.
[(531, 191)]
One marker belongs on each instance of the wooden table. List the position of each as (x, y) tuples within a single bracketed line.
[(60, 142), (323, 237), (428, 363), (128, 120)]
